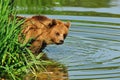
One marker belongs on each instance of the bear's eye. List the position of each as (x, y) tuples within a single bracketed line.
[(57, 34), (65, 35)]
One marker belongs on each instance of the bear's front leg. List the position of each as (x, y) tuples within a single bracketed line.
[(36, 46)]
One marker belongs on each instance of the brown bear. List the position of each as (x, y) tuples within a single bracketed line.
[(41, 31)]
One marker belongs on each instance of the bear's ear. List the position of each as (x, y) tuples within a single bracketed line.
[(53, 23), (67, 24)]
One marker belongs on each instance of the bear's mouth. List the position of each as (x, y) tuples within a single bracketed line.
[(59, 43)]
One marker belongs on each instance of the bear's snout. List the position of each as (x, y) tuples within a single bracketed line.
[(61, 41)]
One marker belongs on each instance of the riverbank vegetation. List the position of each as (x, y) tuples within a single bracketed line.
[(15, 59)]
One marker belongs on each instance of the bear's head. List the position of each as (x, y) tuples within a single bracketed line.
[(58, 31)]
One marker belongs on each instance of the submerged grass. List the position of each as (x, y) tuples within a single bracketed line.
[(15, 59)]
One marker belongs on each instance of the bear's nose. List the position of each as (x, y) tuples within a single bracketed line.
[(61, 41)]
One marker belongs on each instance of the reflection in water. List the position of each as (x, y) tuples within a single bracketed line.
[(53, 73), (77, 3), (86, 3), (92, 48), (80, 7), (112, 10)]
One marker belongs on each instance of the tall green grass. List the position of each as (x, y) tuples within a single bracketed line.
[(15, 59)]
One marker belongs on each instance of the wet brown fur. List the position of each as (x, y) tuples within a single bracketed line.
[(41, 31)]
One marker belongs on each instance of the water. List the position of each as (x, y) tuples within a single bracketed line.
[(92, 49)]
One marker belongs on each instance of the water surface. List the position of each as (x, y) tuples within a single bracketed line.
[(91, 51)]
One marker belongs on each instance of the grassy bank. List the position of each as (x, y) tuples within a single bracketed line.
[(15, 59)]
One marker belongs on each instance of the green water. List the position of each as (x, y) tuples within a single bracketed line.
[(92, 48)]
